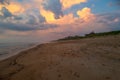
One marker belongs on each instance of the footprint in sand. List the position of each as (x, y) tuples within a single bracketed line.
[(107, 78), (76, 75)]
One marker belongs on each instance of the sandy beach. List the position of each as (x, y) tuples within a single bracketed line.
[(83, 59)]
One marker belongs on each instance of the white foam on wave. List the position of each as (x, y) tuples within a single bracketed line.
[(10, 49)]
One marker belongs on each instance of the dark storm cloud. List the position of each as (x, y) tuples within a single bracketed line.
[(18, 18), (6, 13), (33, 15), (47, 26), (16, 27), (32, 20), (54, 6), (41, 19), (24, 27), (4, 1)]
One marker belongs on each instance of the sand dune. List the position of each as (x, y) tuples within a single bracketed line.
[(84, 59)]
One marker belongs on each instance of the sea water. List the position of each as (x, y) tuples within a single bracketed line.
[(8, 49)]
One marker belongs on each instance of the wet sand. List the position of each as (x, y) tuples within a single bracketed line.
[(84, 59)]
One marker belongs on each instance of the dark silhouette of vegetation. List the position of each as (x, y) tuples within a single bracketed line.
[(91, 35)]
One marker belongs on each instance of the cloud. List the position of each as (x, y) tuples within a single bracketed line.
[(16, 27), (54, 6), (4, 1), (16, 8), (5, 12), (35, 16), (49, 16), (102, 23), (66, 19), (1, 31), (41, 18), (31, 16), (108, 18), (111, 19), (69, 3), (24, 27), (32, 19), (52, 18), (86, 14), (18, 18)]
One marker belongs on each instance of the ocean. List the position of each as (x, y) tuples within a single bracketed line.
[(8, 49)]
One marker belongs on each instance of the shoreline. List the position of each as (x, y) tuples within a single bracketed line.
[(6, 56), (84, 59), (20, 52), (15, 53)]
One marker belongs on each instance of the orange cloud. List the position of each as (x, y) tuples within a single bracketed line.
[(0, 9), (69, 3), (86, 14), (49, 16), (66, 19), (15, 8)]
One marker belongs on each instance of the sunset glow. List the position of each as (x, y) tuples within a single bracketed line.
[(57, 18)]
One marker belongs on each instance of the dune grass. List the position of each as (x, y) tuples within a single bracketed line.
[(91, 35)]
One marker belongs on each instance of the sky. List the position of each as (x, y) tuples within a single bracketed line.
[(45, 20)]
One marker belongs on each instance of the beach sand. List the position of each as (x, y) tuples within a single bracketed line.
[(83, 59)]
